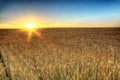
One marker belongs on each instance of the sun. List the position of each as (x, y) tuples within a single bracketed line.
[(32, 29), (30, 26)]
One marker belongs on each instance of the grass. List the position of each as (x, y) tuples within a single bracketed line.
[(63, 54)]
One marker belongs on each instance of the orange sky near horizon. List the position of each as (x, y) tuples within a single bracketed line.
[(59, 25)]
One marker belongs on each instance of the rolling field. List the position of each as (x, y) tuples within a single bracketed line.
[(61, 54)]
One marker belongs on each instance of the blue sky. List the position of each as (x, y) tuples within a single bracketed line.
[(72, 11)]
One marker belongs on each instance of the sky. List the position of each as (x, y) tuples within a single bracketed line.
[(59, 13)]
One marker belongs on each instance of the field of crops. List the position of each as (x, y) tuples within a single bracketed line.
[(62, 54)]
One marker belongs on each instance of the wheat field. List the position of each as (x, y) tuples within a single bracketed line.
[(62, 54)]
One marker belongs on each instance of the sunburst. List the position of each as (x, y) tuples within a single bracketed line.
[(31, 28)]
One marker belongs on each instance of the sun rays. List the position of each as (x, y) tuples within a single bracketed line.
[(31, 29)]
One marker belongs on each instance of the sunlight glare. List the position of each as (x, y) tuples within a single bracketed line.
[(30, 26)]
